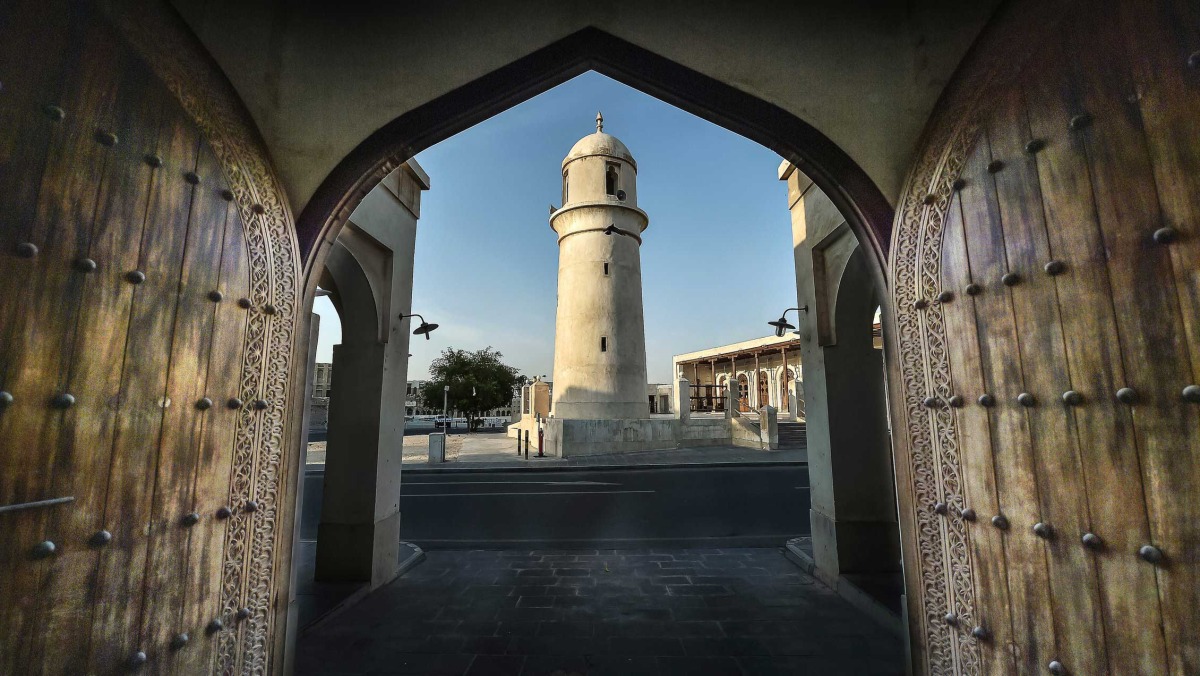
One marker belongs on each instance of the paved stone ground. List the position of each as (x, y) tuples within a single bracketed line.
[(623, 612)]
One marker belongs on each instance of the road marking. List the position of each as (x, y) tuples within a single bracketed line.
[(465, 495), (508, 483)]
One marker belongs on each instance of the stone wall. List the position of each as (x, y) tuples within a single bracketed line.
[(574, 438), (744, 433)]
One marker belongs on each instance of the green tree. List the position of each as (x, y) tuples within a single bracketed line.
[(478, 381)]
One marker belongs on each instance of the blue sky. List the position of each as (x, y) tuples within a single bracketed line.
[(716, 259)]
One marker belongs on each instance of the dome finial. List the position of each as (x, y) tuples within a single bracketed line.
[(599, 122)]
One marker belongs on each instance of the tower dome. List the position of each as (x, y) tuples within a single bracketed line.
[(600, 171), (600, 143)]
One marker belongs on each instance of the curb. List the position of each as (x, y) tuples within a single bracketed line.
[(493, 467), (770, 541), (415, 557), (845, 589)]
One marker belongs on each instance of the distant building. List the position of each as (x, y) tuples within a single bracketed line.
[(764, 371), (323, 381), (659, 395), (413, 404)]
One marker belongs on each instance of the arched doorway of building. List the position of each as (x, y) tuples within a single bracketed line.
[(743, 385), (604, 53), (356, 175), (786, 378)]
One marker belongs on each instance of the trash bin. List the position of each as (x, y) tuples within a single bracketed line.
[(437, 447)]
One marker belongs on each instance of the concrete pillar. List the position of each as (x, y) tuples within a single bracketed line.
[(768, 423), (359, 534), (369, 272), (437, 447), (731, 397), (853, 505), (539, 399), (683, 399)]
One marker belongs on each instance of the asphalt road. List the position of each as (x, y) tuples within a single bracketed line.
[(707, 506), (415, 428)]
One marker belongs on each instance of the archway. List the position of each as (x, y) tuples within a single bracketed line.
[(865, 211)]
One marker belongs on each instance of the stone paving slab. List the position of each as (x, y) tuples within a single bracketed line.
[(592, 612)]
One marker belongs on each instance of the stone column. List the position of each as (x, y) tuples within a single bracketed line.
[(853, 504), (795, 396), (437, 447), (370, 272), (683, 399), (359, 534), (768, 422), (731, 397)]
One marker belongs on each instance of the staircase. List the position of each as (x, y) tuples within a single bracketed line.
[(792, 435)]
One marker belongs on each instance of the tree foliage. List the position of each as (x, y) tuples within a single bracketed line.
[(478, 381)]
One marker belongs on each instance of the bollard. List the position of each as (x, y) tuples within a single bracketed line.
[(526, 444), (541, 435), (518, 443)]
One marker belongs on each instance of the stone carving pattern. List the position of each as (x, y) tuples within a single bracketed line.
[(944, 555), (938, 364), (251, 539), (935, 467)]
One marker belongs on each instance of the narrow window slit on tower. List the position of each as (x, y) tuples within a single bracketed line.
[(610, 179), (606, 269), (604, 343)]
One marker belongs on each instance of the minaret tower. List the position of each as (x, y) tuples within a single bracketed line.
[(600, 337)]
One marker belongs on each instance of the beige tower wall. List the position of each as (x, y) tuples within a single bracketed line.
[(588, 383)]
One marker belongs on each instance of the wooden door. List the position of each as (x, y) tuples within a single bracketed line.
[(764, 390), (145, 335), (1046, 290), (743, 385)]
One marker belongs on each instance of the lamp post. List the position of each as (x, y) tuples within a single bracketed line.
[(424, 329), (445, 406), (781, 325)]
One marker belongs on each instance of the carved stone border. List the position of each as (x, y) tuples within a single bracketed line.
[(252, 543), (941, 547)]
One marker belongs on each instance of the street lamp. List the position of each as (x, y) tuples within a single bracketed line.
[(424, 329), (781, 325)]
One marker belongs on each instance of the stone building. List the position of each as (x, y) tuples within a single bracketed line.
[(600, 336), (414, 404), (766, 371), (322, 380)]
